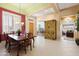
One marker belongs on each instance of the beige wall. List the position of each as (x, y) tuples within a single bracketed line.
[(56, 17), (27, 25), (70, 11)]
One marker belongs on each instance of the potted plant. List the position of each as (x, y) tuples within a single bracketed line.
[(19, 31), (77, 39)]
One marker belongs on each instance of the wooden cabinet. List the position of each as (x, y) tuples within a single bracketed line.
[(50, 29)]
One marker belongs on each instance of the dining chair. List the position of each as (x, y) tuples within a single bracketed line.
[(28, 39), (28, 43), (18, 45), (31, 38), (0, 37), (9, 43), (13, 45), (25, 44), (6, 40)]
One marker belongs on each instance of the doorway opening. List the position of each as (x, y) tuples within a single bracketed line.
[(68, 28), (40, 27), (31, 27)]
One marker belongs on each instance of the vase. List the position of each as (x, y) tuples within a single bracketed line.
[(18, 33)]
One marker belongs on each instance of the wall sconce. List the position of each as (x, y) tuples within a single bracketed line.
[(22, 23), (17, 22)]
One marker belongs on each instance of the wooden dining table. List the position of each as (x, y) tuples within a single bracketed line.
[(18, 39)]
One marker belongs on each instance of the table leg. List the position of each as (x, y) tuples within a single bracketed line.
[(33, 42), (18, 48), (31, 46)]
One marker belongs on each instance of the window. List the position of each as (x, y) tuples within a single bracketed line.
[(10, 22)]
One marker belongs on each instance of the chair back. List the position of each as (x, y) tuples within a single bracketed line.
[(6, 37), (30, 35), (0, 37)]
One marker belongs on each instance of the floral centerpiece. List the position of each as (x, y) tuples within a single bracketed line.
[(18, 32)]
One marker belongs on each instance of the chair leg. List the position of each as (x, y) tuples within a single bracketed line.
[(33, 42), (0, 40), (5, 44), (31, 47), (9, 48), (25, 49), (18, 49), (17, 52)]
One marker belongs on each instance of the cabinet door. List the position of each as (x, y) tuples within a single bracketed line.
[(53, 29), (50, 29)]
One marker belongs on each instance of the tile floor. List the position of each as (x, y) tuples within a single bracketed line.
[(47, 47)]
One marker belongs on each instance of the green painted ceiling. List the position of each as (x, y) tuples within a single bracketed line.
[(28, 8)]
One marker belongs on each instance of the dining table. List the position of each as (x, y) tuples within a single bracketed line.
[(18, 39)]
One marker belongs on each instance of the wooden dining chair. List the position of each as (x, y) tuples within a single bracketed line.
[(18, 45), (6, 40), (31, 38), (0, 37), (25, 44), (13, 45)]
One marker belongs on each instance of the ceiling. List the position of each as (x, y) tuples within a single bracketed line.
[(26, 8), (36, 9), (44, 12), (52, 10), (66, 5)]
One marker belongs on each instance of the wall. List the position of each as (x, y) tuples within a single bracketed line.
[(22, 17), (70, 11), (55, 16), (27, 25), (0, 20), (23, 20)]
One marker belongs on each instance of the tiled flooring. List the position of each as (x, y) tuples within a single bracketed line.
[(46, 47)]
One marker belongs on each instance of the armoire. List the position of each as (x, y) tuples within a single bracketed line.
[(51, 29)]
